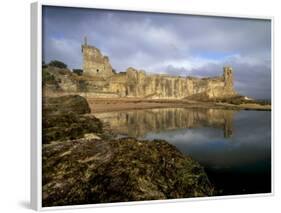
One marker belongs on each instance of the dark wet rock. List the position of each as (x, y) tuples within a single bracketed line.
[(64, 118), (85, 171), (65, 104), (69, 126)]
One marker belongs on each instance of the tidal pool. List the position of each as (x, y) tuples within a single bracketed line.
[(233, 146)]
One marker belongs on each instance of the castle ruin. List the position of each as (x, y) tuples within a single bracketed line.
[(94, 63), (136, 83)]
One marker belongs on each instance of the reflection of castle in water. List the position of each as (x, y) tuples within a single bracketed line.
[(137, 123)]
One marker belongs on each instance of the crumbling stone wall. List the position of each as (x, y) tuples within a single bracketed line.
[(228, 78), (136, 83), (94, 63), (139, 84), (99, 79)]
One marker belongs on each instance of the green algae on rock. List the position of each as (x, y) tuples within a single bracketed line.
[(102, 171), (69, 126), (64, 118)]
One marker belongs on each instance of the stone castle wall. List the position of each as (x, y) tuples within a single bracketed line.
[(138, 84), (134, 83), (98, 78)]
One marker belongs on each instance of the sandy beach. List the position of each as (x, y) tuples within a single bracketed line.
[(121, 104)]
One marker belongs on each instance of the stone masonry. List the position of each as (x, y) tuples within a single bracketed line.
[(94, 63), (99, 80), (136, 83)]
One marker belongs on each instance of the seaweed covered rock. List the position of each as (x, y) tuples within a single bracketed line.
[(69, 126), (99, 171), (65, 104), (64, 118)]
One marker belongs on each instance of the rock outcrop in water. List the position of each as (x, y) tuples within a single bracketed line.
[(64, 118), (65, 104), (101, 171)]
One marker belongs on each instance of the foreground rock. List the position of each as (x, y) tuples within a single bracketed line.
[(65, 104), (80, 166), (64, 118), (100, 171)]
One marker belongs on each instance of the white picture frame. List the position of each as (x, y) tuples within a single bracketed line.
[(36, 105)]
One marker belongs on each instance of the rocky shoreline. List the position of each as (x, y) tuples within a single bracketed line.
[(65, 118), (83, 163)]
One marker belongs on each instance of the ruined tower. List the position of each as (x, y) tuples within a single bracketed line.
[(228, 78), (94, 63)]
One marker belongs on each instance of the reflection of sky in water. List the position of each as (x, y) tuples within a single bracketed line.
[(249, 143), (239, 164)]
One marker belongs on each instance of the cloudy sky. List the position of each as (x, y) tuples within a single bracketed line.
[(174, 44)]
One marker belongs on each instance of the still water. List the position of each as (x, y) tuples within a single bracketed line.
[(233, 146)]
